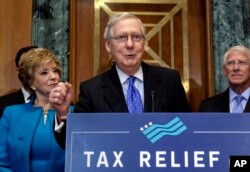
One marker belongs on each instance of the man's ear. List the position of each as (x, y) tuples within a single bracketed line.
[(224, 70), (107, 46)]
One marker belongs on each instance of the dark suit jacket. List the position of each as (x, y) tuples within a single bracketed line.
[(219, 103), (163, 92), (11, 99)]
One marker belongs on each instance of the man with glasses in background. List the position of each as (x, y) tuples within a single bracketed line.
[(130, 85), (235, 99)]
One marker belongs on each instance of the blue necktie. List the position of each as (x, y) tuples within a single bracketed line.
[(134, 101), (238, 106)]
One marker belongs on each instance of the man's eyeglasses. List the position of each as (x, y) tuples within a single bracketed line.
[(239, 63), (124, 38)]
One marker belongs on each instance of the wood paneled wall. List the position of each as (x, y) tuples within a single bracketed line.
[(200, 51), (199, 38), (15, 32)]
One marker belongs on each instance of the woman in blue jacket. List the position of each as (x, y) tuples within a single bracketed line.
[(27, 131)]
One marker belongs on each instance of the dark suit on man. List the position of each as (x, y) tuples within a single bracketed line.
[(16, 97), (219, 103), (163, 92)]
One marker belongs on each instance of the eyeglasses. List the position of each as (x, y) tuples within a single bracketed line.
[(124, 38), (239, 63)]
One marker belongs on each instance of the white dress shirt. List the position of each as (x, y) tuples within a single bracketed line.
[(232, 101), (138, 82)]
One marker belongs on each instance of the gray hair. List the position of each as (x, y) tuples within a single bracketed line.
[(238, 48), (118, 17)]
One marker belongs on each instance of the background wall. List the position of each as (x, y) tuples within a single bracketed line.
[(50, 29), (46, 23), (15, 32), (87, 56), (231, 26)]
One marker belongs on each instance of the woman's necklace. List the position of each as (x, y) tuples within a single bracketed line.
[(45, 111), (45, 115)]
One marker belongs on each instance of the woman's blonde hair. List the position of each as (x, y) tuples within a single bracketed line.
[(33, 58)]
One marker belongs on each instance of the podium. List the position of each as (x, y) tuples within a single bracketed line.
[(157, 142)]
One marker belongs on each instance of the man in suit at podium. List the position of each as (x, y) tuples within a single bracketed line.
[(235, 99), (20, 96), (157, 89)]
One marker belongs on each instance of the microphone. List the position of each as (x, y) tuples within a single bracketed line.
[(153, 100)]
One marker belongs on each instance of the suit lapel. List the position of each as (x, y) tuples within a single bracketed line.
[(152, 90), (113, 93), (247, 108), (223, 102), (19, 98)]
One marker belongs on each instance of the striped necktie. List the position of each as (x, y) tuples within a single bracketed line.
[(134, 101)]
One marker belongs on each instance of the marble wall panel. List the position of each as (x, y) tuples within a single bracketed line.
[(51, 29), (230, 28)]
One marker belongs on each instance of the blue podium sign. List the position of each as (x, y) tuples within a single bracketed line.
[(156, 142)]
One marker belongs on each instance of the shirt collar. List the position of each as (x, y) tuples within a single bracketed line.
[(245, 94), (123, 76), (26, 95)]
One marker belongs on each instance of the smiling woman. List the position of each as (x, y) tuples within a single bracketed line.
[(33, 123), (38, 63)]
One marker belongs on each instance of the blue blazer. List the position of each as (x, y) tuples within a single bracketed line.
[(17, 128)]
